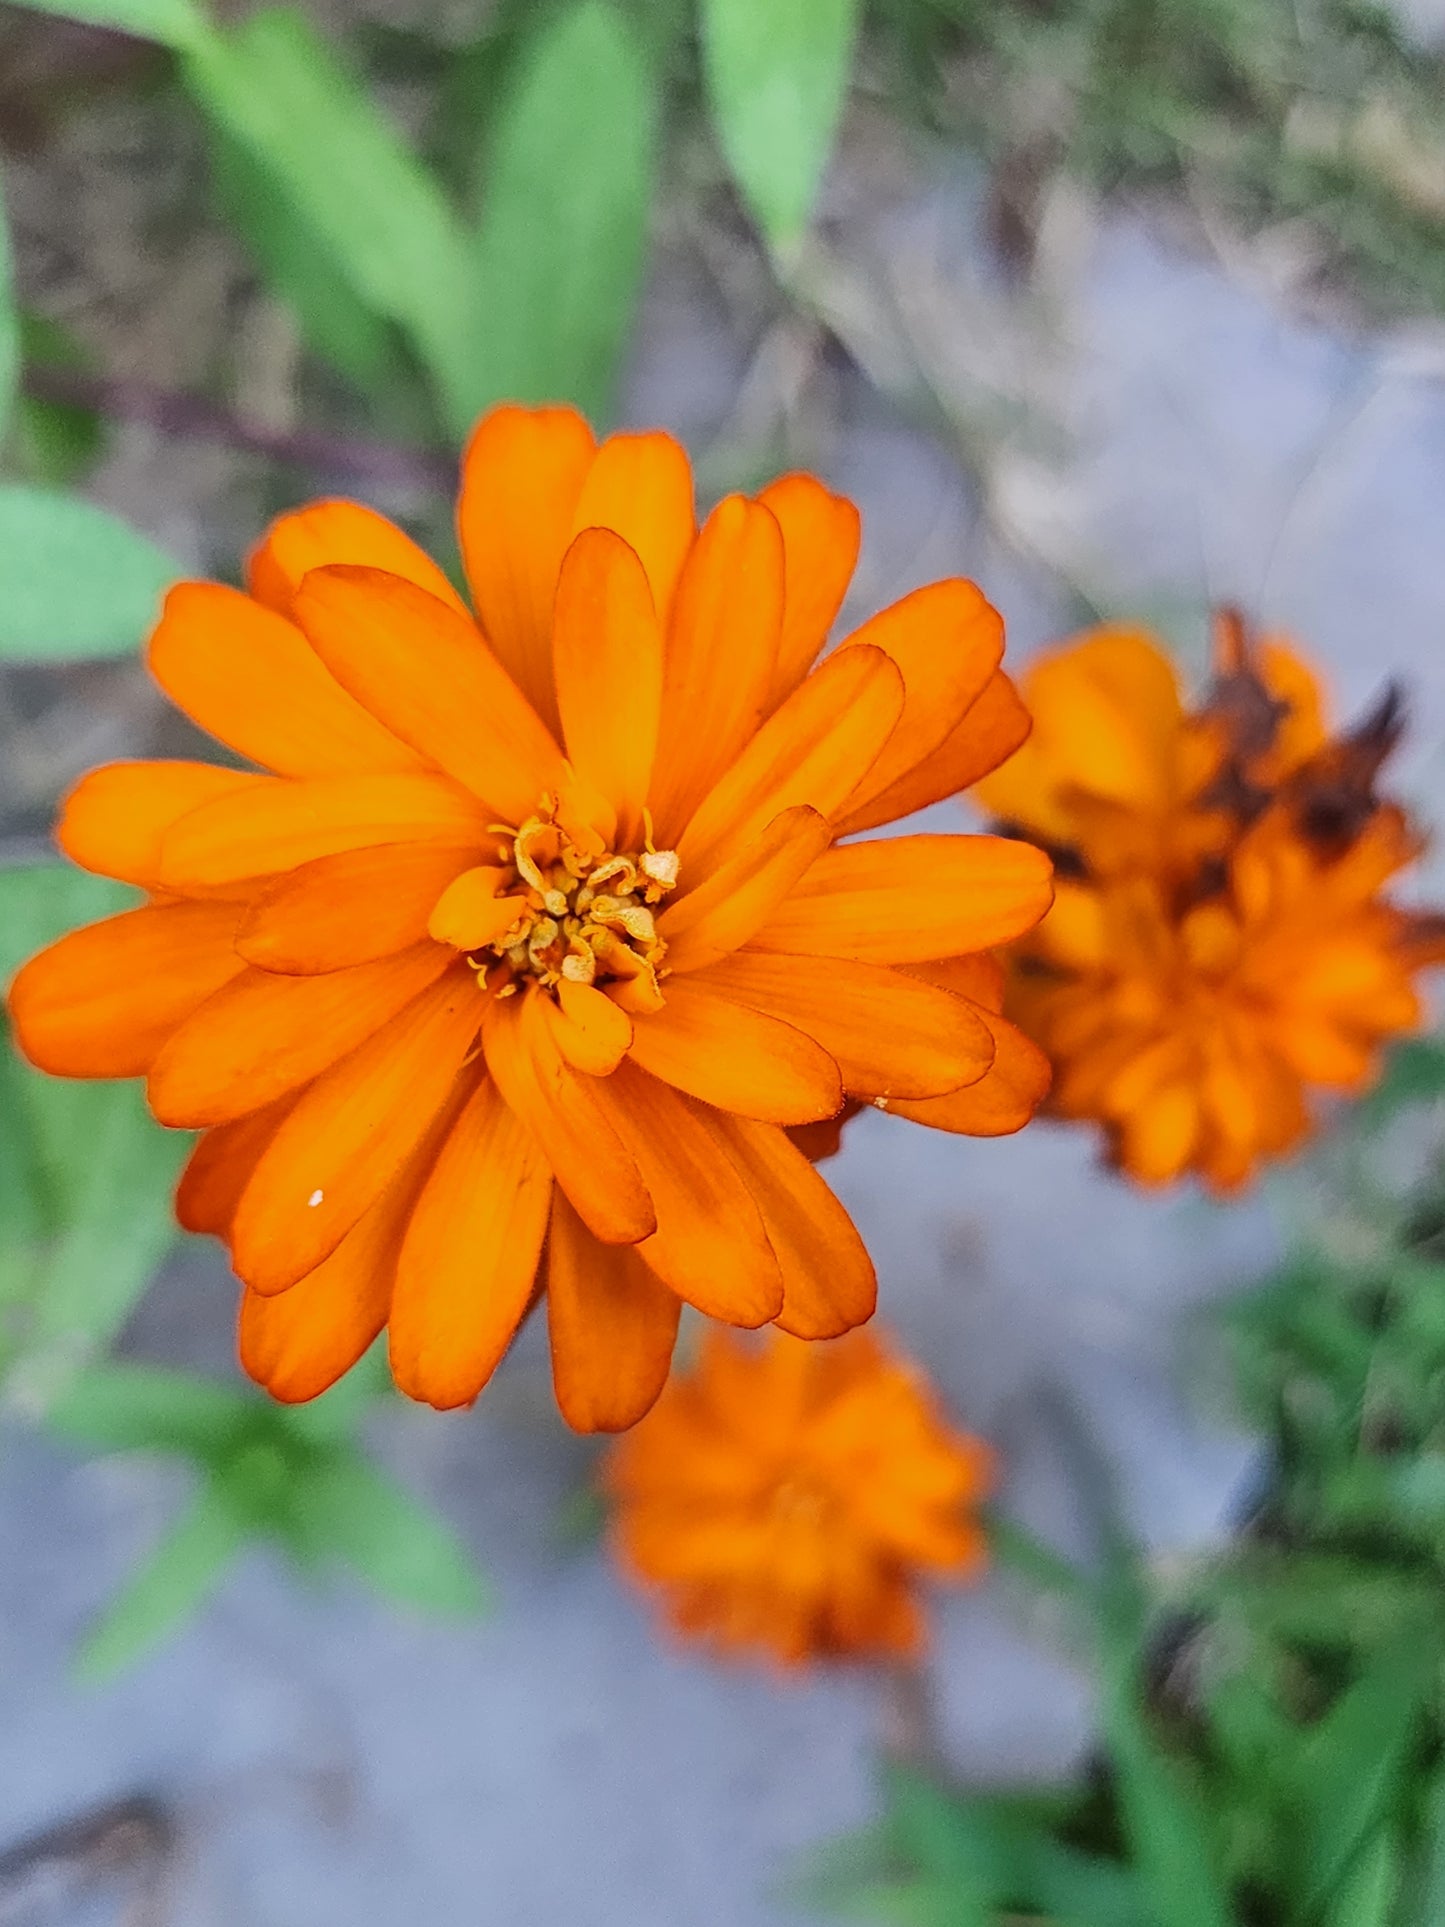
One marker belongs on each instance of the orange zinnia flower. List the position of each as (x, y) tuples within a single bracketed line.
[(789, 1497), (538, 933), (1219, 942)]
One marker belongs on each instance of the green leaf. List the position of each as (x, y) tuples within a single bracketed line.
[(175, 22), (275, 89), (564, 228), (1167, 1825), (9, 327), (1350, 1768), (98, 1171), (115, 1181), (1432, 1872), (298, 266), (1367, 1897), (347, 1509), (1415, 1074), (147, 1408), (777, 77), (180, 1574), (74, 580)]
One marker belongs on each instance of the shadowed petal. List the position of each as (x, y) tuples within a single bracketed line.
[(905, 899), (469, 1261), (251, 679), (102, 1001), (337, 531), (522, 474), (612, 1325)]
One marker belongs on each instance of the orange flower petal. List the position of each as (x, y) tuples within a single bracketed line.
[(469, 913), (992, 729), (710, 1246), (978, 976), (612, 1326), (722, 647), (947, 641), (591, 1032), (905, 899), (820, 550), (1157, 1140), (608, 659), (424, 669), (522, 474), (350, 1133), (103, 1000), (219, 1169), (816, 749), (1107, 718), (276, 826), (890, 1035), (113, 821), (561, 1109), (350, 908), (1015, 1084), (337, 531), (263, 1035), (469, 1262), (737, 1058), (298, 1342), (741, 894), (829, 1284), (252, 680), (640, 487)]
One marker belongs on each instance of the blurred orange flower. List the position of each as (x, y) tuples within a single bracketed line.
[(790, 1498), (536, 937), (1219, 940)]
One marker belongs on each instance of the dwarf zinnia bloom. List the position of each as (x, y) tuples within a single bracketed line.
[(1219, 941), (515, 968), (789, 1498)]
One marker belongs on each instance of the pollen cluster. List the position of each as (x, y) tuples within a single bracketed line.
[(583, 914)]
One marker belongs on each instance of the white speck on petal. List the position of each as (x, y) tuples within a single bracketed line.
[(315, 1199)]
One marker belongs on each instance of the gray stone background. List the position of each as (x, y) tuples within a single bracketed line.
[(1175, 429)]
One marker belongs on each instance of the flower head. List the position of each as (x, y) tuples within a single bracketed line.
[(1220, 939), (512, 962), (789, 1498)]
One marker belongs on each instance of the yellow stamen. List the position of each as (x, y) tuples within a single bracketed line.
[(586, 915)]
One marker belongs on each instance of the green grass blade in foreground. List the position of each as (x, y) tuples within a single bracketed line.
[(1168, 1831), (346, 1509), (564, 230), (1367, 1897), (75, 581), (276, 89), (1351, 1767), (777, 78), (177, 1578), (174, 22), (1430, 1897), (1167, 1826), (9, 327)]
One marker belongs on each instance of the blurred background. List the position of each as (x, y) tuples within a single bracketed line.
[(1123, 308)]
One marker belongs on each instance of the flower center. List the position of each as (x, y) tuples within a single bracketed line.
[(797, 1500), (585, 913)]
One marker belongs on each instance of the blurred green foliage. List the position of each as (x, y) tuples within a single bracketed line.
[(777, 78), (1272, 1748), (292, 1478), (85, 1175)]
